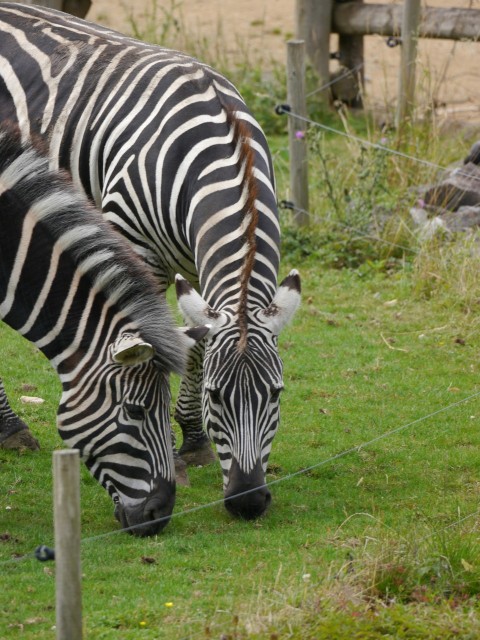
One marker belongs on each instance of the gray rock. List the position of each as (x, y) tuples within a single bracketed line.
[(461, 188)]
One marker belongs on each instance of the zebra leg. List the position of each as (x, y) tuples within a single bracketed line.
[(181, 474), (14, 433), (196, 448)]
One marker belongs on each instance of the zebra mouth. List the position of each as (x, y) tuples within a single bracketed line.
[(246, 495), (149, 517)]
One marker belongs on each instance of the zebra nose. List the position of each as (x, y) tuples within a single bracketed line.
[(151, 516), (246, 495)]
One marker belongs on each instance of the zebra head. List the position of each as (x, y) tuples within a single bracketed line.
[(117, 414), (242, 382)]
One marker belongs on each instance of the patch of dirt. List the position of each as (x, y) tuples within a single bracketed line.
[(448, 73)]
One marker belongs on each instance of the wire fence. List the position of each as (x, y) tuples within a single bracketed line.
[(289, 205), (342, 454), (43, 552)]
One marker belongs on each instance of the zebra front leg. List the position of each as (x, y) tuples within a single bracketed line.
[(14, 433), (196, 448)]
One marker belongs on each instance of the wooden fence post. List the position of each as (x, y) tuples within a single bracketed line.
[(297, 130), (406, 86), (66, 495), (313, 20), (350, 49)]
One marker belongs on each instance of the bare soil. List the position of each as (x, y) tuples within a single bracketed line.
[(448, 73)]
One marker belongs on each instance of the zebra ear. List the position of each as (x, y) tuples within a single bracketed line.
[(194, 334), (283, 306), (193, 307), (130, 350)]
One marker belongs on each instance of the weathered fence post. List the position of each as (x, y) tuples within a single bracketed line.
[(313, 20), (406, 86), (296, 130), (66, 497), (350, 49)]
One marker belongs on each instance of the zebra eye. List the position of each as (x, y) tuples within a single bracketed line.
[(275, 393), (134, 411), (215, 396)]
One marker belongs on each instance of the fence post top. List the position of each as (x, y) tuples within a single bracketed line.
[(74, 453)]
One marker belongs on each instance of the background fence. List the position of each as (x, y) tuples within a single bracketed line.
[(403, 24)]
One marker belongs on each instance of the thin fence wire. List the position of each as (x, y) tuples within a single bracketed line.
[(346, 74), (356, 448), (369, 143), (359, 232), (271, 483), (284, 109)]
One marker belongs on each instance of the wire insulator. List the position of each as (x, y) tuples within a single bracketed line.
[(393, 41), (286, 204), (280, 109), (44, 553)]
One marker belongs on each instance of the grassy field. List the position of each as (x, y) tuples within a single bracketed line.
[(374, 526), (377, 540)]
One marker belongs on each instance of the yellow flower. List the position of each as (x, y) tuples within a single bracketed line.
[(169, 604), (143, 623)]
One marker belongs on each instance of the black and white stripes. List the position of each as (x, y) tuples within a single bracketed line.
[(170, 152), (71, 284)]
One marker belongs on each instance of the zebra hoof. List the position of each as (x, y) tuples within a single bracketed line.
[(181, 475), (20, 440), (198, 457)]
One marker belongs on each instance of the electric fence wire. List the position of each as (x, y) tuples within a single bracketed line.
[(284, 109), (346, 74), (271, 483), (359, 232)]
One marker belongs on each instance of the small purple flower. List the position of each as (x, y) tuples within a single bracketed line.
[(299, 135), (421, 203), (384, 141)]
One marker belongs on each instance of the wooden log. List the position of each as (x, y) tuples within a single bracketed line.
[(313, 20), (66, 499), (297, 130), (352, 18)]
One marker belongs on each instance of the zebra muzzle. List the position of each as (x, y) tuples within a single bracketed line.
[(246, 495), (150, 516)]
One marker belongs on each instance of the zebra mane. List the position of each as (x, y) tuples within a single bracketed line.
[(95, 248), (241, 136)]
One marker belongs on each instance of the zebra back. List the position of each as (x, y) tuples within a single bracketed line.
[(61, 218)]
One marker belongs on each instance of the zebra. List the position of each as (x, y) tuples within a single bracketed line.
[(72, 285), (169, 151)]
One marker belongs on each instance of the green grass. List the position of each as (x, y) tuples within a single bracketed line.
[(359, 545), (373, 541)]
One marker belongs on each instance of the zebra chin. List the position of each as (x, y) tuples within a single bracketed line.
[(246, 495), (150, 516)]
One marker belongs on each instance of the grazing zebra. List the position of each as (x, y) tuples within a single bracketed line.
[(72, 285), (167, 148)]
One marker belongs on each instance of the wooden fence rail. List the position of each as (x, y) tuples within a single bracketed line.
[(360, 19), (355, 19)]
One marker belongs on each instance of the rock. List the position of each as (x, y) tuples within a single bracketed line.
[(462, 220), (473, 155), (461, 188)]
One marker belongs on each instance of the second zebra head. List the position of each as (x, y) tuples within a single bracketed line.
[(242, 383)]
